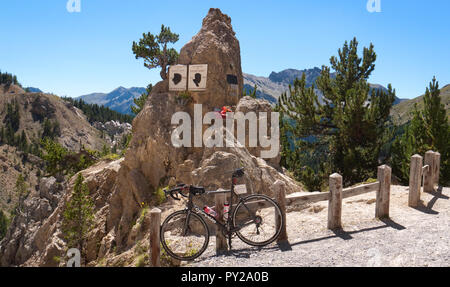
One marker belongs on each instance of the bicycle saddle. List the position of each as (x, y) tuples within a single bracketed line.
[(238, 172)]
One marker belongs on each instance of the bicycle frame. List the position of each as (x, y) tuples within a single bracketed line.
[(228, 226)]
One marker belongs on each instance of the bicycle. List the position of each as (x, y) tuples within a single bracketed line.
[(185, 235)]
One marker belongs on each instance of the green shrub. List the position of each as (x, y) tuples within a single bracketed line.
[(159, 195), (311, 180), (142, 260)]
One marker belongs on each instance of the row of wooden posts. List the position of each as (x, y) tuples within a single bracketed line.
[(426, 171), (382, 187)]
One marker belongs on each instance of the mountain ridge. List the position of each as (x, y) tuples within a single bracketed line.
[(270, 88), (119, 99), (402, 113)]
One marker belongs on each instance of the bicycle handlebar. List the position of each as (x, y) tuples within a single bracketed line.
[(193, 189), (177, 190)]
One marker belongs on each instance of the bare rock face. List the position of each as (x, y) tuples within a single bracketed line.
[(42, 108), (217, 164), (216, 45), (51, 190), (19, 243), (257, 106), (35, 237)]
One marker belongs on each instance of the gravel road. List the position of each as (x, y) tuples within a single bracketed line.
[(411, 237)]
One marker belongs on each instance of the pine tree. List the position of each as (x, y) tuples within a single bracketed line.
[(3, 224), (78, 215), (21, 191), (2, 135), (54, 156), (96, 113), (12, 116), (8, 79), (140, 102), (114, 149), (153, 49), (23, 143), (10, 134), (105, 150), (345, 132), (428, 130)]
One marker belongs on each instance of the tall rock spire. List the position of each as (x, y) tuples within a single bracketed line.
[(217, 46)]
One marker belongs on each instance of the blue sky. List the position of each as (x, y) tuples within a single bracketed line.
[(79, 53)]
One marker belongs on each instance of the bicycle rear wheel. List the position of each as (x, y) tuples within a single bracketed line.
[(184, 235), (256, 219)]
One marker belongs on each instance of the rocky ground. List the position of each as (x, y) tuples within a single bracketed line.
[(411, 237)]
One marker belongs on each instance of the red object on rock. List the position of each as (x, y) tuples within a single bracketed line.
[(224, 112)]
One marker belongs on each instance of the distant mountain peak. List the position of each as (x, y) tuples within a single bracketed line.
[(120, 89), (119, 100)]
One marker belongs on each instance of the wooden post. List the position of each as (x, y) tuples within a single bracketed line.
[(155, 227), (278, 189), (221, 240), (415, 180), (383, 194), (437, 170), (335, 202), (428, 177)]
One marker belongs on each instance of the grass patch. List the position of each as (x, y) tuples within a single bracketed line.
[(142, 255), (102, 262), (111, 156), (166, 259), (370, 180), (145, 209), (57, 259)]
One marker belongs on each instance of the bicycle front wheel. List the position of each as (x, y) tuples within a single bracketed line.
[(184, 235), (258, 220)]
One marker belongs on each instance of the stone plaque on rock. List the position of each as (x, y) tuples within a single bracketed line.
[(197, 77), (177, 78)]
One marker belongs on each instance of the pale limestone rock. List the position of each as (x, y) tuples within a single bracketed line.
[(216, 45)]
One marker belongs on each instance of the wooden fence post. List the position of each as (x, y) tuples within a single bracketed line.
[(415, 180), (280, 197), (335, 202), (437, 165), (155, 225), (383, 194), (428, 178), (221, 240)]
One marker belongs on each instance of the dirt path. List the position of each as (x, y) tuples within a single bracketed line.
[(412, 237)]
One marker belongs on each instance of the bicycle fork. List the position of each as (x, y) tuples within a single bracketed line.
[(186, 224)]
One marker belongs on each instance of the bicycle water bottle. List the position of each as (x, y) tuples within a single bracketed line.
[(209, 211), (226, 210)]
